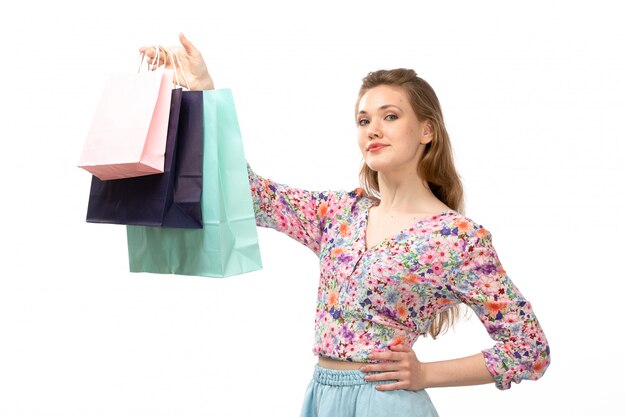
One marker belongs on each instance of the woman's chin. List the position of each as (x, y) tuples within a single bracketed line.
[(377, 166)]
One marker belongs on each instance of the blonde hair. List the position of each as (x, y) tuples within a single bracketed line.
[(436, 166)]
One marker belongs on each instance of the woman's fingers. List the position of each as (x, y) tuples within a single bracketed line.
[(400, 348), (158, 56), (393, 386), (393, 380), (150, 55), (386, 356), (380, 367), (383, 376)]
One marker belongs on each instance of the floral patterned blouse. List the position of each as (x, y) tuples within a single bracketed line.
[(374, 298)]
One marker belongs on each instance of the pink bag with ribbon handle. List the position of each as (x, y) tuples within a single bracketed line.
[(128, 133)]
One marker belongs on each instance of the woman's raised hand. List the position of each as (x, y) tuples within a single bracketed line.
[(189, 59)]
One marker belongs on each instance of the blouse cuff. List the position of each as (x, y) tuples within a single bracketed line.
[(498, 370)]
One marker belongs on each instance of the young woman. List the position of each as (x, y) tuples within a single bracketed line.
[(397, 258)]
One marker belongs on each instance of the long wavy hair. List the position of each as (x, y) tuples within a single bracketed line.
[(436, 166)]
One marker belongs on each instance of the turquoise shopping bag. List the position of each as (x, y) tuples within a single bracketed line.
[(228, 243)]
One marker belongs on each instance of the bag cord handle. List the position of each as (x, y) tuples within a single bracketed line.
[(173, 56)]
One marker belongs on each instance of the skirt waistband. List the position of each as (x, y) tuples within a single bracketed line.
[(337, 377), (343, 378)]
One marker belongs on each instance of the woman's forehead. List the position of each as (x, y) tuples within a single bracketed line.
[(383, 96)]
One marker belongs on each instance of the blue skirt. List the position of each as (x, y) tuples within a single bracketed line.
[(334, 393)]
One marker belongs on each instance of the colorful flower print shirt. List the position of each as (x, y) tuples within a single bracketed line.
[(374, 298)]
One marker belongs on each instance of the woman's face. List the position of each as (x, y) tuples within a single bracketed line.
[(390, 136)]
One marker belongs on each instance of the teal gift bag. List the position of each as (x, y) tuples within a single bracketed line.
[(227, 244)]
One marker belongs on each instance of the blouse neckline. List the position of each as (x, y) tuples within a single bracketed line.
[(363, 224)]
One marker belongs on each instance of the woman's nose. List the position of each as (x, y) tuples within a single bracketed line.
[(373, 131)]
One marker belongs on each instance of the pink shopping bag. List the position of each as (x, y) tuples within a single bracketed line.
[(128, 133)]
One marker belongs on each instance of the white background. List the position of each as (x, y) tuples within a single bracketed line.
[(534, 98)]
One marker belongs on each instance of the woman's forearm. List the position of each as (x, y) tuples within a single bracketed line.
[(470, 370)]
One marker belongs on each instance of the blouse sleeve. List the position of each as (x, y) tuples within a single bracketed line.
[(521, 350), (298, 213)]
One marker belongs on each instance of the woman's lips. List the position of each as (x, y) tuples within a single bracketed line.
[(375, 147)]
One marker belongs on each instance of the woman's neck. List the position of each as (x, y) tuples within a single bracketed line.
[(406, 193)]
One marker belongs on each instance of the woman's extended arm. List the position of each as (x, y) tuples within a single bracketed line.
[(300, 214), (295, 212)]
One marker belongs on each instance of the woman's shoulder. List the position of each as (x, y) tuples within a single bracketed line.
[(452, 222), (354, 196), (345, 202)]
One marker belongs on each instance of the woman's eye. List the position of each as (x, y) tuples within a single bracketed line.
[(363, 122), (391, 117)]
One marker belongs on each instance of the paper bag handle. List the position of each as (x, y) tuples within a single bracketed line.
[(176, 64)]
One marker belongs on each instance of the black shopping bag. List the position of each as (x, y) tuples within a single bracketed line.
[(170, 199)]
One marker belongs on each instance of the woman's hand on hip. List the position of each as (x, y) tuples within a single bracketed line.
[(400, 364), (189, 60)]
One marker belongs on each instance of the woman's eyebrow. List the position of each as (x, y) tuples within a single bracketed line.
[(383, 107)]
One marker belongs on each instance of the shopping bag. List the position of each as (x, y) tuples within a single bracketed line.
[(128, 132), (189, 167), (171, 199), (227, 244)]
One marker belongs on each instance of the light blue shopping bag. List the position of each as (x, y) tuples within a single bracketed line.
[(227, 244)]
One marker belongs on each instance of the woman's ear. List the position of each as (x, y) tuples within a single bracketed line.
[(427, 132)]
